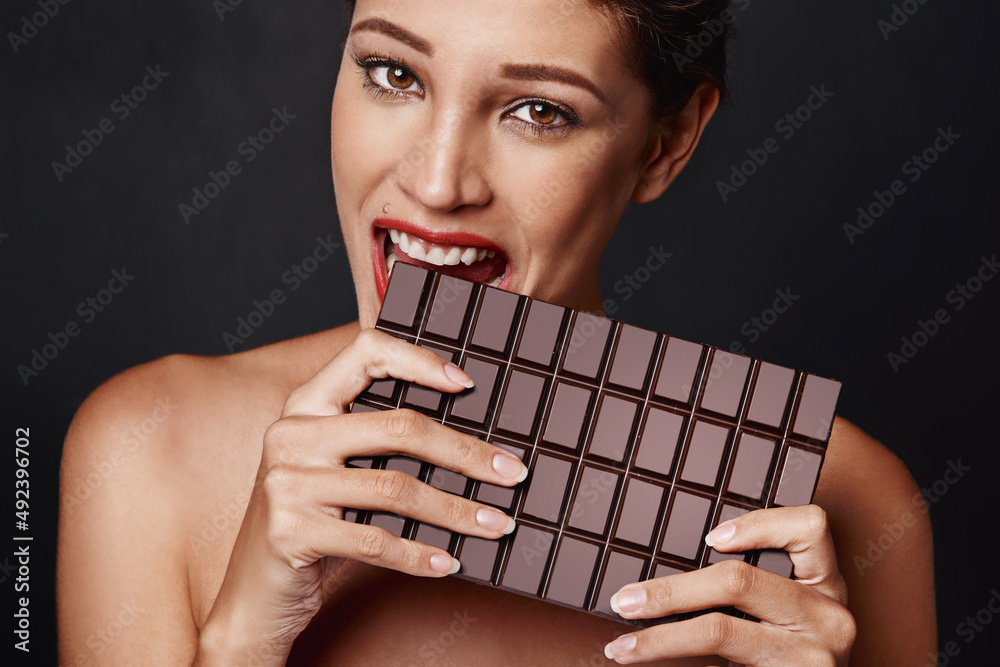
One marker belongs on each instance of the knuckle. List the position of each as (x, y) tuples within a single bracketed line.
[(662, 593), (277, 436), (282, 438), (820, 658), (719, 631), (279, 482), (391, 486), (845, 630), (369, 340), (740, 580), (372, 544), (373, 345), (401, 424), (283, 528), (411, 556), (468, 450), (457, 513), (296, 395), (817, 522)]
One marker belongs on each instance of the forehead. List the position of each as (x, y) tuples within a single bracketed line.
[(487, 33)]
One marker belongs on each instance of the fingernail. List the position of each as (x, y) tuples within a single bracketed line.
[(458, 376), (491, 519), (620, 647), (629, 599), (510, 467), (722, 534), (444, 564)]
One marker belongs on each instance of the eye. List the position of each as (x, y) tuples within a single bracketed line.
[(539, 112), (540, 118), (387, 76), (394, 77)]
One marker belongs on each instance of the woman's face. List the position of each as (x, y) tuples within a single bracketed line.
[(505, 137)]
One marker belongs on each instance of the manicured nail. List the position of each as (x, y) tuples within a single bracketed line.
[(444, 564), (620, 647), (458, 376), (510, 467), (722, 534), (491, 519), (629, 599)]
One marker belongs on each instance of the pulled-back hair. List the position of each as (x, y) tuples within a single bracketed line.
[(671, 46)]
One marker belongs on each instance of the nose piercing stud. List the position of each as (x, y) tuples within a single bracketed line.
[(385, 209)]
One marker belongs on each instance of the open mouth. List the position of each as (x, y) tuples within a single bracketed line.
[(398, 241)]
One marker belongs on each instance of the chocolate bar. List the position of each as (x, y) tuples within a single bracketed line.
[(637, 443)]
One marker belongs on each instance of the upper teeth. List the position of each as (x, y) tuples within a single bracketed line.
[(438, 255)]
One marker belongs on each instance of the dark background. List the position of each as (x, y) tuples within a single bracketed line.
[(783, 229)]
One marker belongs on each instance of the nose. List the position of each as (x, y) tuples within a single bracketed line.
[(443, 169)]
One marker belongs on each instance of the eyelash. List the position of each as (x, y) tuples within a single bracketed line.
[(379, 91)]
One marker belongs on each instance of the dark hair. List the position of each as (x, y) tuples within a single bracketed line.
[(671, 46)]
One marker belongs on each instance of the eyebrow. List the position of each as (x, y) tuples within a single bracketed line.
[(515, 71), (389, 28), (523, 72)]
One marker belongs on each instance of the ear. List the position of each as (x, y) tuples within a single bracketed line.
[(671, 145)]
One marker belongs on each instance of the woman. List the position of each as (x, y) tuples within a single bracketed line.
[(513, 126)]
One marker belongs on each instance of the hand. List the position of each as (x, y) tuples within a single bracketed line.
[(293, 536), (804, 621)]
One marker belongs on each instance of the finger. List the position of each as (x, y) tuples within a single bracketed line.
[(378, 546), (804, 532), (732, 638), (403, 494), (372, 355), (731, 583), (332, 440)]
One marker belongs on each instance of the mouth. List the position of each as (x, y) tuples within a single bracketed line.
[(462, 255)]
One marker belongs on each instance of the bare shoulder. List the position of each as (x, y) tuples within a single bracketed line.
[(882, 533), (147, 454), (162, 404), (860, 470)]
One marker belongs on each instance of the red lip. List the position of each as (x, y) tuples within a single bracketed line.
[(380, 229), (441, 238)]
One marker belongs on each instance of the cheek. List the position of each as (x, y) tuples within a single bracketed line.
[(573, 200)]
